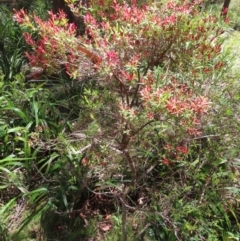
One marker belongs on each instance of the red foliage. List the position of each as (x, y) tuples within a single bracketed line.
[(126, 45)]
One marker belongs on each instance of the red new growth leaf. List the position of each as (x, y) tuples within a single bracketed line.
[(176, 106), (182, 149), (166, 162), (200, 105), (112, 58)]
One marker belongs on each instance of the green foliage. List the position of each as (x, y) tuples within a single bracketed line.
[(40, 7), (4, 220), (233, 13), (11, 45)]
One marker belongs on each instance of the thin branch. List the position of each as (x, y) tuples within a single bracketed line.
[(140, 128), (204, 137), (124, 213), (132, 167), (154, 62), (83, 149), (143, 230), (136, 90), (122, 85), (156, 213)]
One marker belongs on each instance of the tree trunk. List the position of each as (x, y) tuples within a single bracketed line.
[(60, 5), (225, 8)]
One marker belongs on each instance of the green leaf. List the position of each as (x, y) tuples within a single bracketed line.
[(6, 206), (35, 194), (19, 112)]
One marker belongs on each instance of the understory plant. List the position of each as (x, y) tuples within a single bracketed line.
[(147, 137), (11, 45)]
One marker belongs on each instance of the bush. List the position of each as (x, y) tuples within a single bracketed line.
[(148, 135)]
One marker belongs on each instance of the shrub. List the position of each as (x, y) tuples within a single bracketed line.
[(149, 134)]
